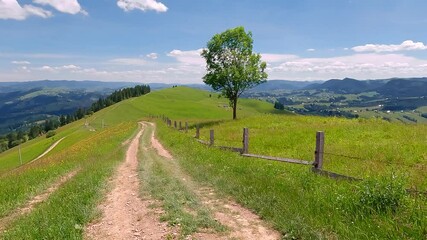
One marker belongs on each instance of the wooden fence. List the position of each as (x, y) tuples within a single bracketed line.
[(317, 163)]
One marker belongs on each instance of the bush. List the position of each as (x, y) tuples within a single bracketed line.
[(51, 133), (381, 195)]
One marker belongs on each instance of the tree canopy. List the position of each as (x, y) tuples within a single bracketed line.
[(231, 65)]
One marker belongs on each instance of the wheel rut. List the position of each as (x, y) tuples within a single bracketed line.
[(128, 213), (124, 214), (32, 203), (240, 222)]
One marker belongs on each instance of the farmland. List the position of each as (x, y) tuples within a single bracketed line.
[(391, 157)]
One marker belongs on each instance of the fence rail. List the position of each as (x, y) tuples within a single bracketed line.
[(317, 164), (288, 160)]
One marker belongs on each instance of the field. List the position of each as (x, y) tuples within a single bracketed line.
[(391, 157)]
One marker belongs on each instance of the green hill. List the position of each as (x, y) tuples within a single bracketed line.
[(301, 205)]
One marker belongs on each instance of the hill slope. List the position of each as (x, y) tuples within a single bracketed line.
[(298, 203), (23, 103)]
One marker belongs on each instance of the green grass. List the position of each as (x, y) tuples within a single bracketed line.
[(357, 147), (68, 209), (299, 203), (33, 148), (163, 179)]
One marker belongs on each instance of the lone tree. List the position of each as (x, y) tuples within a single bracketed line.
[(231, 65)]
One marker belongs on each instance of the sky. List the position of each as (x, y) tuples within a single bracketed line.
[(160, 40)]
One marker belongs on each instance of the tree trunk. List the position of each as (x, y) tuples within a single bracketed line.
[(234, 108)]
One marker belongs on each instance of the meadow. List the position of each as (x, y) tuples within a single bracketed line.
[(300, 204)]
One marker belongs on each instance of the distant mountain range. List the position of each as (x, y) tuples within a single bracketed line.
[(394, 87), (272, 85)]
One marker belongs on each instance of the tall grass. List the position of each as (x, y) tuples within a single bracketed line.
[(355, 147), (299, 203)]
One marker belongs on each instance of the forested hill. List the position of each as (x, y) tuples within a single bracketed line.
[(23, 103), (28, 131)]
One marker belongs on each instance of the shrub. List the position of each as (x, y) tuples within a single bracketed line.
[(381, 195), (51, 133)]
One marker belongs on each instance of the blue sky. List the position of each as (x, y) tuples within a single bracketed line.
[(159, 41)]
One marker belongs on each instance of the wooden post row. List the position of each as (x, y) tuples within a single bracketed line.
[(197, 131), (318, 154), (211, 137), (245, 141)]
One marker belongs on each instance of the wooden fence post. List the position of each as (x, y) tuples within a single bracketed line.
[(174, 124), (245, 141), (197, 131), (318, 154), (186, 127), (211, 139), (180, 125)]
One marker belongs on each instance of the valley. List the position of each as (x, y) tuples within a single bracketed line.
[(397, 100)]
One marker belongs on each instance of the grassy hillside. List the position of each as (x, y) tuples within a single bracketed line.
[(298, 203)]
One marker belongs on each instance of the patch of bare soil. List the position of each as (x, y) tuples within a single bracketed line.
[(158, 146), (242, 223), (29, 206), (125, 215)]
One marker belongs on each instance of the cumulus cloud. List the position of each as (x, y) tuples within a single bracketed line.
[(69, 67), (11, 9), (65, 6), (404, 46), (152, 56), (191, 57), (364, 66), (21, 62), (143, 5)]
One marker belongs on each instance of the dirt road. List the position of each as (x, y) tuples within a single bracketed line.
[(124, 214), (129, 213)]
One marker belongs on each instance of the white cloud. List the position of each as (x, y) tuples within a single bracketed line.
[(129, 61), (189, 67), (69, 67), (273, 58), (152, 56), (47, 68), (404, 46), (10, 9), (311, 50), (143, 5), (65, 6), (363, 66), (21, 62), (191, 57)]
